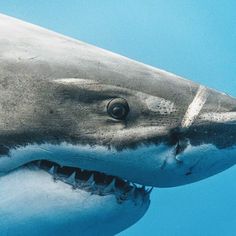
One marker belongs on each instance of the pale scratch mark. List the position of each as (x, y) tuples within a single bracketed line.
[(195, 107)]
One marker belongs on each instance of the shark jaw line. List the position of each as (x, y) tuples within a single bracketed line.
[(98, 159), (93, 182), (175, 165)]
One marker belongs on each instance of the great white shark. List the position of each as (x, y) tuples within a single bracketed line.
[(84, 131)]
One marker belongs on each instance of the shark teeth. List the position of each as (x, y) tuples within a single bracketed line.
[(52, 170), (90, 185), (95, 182), (110, 187), (71, 180), (90, 181)]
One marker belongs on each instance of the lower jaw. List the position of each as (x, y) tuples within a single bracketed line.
[(32, 202)]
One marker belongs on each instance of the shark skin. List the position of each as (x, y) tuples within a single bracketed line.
[(83, 131)]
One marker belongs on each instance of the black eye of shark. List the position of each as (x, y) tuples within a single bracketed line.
[(118, 108)]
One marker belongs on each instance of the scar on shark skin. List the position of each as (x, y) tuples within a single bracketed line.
[(195, 107)]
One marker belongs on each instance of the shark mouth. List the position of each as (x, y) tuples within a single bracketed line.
[(93, 182)]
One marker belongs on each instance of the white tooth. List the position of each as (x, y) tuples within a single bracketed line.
[(110, 187), (79, 182), (91, 179), (71, 178), (91, 187), (52, 170), (113, 182)]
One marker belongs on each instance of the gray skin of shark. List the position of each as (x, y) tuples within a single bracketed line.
[(54, 96)]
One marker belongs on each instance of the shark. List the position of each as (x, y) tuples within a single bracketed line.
[(85, 134)]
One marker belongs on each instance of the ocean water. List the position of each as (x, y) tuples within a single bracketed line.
[(194, 39)]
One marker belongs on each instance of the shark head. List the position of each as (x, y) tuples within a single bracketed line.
[(103, 124)]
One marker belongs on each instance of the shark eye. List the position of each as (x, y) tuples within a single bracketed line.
[(118, 108)]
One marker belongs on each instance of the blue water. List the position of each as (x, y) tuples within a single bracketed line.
[(195, 39)]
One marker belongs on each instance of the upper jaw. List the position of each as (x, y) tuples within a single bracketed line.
[(96, 158), (66, 168)]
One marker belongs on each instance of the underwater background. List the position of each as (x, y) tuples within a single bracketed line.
[(195, 39)]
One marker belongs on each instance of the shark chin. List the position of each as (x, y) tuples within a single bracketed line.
[(53, 200)]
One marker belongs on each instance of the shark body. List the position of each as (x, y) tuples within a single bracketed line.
[(80, 127)]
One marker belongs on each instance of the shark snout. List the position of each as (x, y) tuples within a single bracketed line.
[(204, 143)]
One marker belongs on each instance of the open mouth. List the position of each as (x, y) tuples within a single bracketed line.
[(93, 182)]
